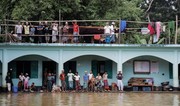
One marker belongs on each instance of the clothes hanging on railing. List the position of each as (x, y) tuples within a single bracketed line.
[(171, 27), (151, 28), (122, 25), (158, 29), (164, 28), (155, 38)]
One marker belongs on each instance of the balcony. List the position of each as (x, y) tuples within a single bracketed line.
[(90, 32)]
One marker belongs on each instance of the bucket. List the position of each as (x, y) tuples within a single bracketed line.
[(15, 89)]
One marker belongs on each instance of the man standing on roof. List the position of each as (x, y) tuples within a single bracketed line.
[(75, 31), (26, 32), (46, 31), (112, 40), (54, 32), (65, 32), (18, 30), (40, 28), (107, 32)]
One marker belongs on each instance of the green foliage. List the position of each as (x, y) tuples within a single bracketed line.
[(162, 10), (32, 9), (2, 39), (88, 9), (70, 9), (132, 10)]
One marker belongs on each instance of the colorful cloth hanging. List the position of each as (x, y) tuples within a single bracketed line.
[(171, 27), (151, 28), (122, 25), (158, 30)]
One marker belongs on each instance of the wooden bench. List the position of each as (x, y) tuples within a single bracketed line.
[(141, 82)]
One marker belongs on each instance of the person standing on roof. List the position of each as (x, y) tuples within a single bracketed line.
[(107, 32), (18, 31), (75, 31), (112, 40), (65, 32)]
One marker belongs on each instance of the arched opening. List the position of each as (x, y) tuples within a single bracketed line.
[(35, 65), (94, 63), (147, 66)]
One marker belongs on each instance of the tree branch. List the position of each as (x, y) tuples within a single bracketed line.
[(149, 6)]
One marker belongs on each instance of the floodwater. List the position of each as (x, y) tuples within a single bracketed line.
[(90, 99)]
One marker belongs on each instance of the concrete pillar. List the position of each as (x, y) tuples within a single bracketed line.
[(119, 64), (4, 68), (60, 67), (40, 71), (175, 75), (175, 70)]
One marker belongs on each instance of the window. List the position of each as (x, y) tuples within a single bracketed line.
[(141, 66), (30, 67)]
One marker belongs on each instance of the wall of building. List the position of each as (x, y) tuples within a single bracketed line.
[(119, 54), (84, 64), (159, 77), (40, 59)]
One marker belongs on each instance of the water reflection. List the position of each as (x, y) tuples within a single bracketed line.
[(176, 100), (90, 99)]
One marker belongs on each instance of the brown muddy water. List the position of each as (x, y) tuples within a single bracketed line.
[(90, 99)]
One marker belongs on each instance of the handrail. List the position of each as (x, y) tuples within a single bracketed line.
[(65, 21)]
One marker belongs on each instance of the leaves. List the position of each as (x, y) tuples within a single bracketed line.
[(70, 9)]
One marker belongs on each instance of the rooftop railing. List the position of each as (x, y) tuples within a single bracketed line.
[(90, 31)]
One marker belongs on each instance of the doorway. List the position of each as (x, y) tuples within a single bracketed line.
[(70, 65), (48, 67)]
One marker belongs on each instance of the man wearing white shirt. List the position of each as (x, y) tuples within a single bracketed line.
[(112, 27), (18, 30), (90, 75), (70, 79), (107, 32)]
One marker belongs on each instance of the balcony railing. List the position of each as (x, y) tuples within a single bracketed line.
[(91, 31)]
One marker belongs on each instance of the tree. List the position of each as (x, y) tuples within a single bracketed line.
[(34, 10), (161, 10), (6, 7), (70, 9)]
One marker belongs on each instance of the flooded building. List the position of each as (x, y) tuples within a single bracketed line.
[(159, 62)]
